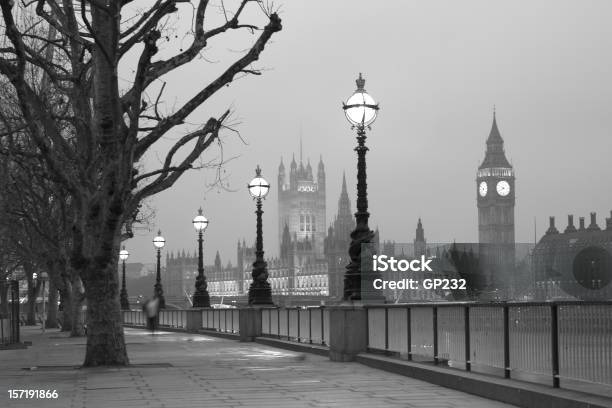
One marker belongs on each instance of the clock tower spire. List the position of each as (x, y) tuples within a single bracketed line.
[(495, 198)]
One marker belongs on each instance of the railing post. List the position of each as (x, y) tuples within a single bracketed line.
[(409, 332), (435, 334), (322, 326), (298, 325), (310, 325), (288, 322), (367, 328), (386, 329), (506, 342), (554, 309), (466, 319), (249, 321)]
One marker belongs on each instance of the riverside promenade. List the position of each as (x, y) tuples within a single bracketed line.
[(178, 370)]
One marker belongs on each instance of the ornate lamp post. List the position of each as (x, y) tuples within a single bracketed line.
[(159, 243), (260, 292), (123, 297), (200, 297), (360, 110)]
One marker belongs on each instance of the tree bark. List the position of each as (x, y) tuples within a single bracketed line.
[(3, 298), (51, 322), (105, 339), (66, 306), (77, 328)]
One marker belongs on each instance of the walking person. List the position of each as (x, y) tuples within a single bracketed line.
[(151, 309)]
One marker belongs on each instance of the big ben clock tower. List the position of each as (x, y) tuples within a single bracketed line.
[(496, 197)]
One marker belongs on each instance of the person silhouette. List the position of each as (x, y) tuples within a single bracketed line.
[(151, 309)]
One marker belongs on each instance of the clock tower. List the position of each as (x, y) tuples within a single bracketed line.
[(495, 197)]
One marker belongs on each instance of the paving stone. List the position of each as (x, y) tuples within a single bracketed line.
[(177, 370)]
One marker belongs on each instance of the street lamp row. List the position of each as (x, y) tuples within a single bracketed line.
[(361, 111), (260, 291)]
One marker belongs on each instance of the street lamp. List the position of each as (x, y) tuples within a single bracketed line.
[(260, 292), (200, 297), (159, 243), (361, 111), (123, 297)]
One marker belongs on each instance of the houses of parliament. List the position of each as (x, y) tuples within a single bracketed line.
[(313, 253)]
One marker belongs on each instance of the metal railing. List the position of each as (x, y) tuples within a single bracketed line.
[(566, 344), (221, 320), (304, 325), (562, 343)]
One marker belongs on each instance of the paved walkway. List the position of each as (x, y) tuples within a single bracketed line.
[(178, 370)]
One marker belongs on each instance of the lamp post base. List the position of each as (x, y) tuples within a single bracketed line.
[(159, 293), (201, 299), (260, 293), (123, 299)]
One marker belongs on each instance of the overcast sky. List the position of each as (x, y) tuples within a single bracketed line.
[(437, 68)]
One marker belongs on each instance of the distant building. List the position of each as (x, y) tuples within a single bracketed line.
[(495, 197), (575, 263), (301, 204), (337, 243), (312, 259)]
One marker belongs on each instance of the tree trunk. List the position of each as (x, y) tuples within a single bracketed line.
[(33, 288), (65, 309), (4, 298), (105, 340), (52, 306), (75, 305), (66, 305)]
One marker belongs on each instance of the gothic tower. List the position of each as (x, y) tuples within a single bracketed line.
[(420, 244), (337, 243), (495, 197), (301, 204)]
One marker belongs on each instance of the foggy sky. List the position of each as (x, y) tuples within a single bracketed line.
[(437, 68)]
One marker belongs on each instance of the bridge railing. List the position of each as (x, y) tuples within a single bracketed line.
[(566, 343), (301, 324)]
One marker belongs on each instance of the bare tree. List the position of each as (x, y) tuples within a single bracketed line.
[(91, 136)]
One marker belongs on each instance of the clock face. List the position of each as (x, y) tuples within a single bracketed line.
[(503, 188), (482, 188)]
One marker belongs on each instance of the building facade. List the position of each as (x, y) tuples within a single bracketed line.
[(301, 204), (575, 263)]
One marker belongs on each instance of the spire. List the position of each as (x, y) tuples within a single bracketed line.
[(420, 232), (281, 167), (494, 155), (286, 235), (293, 163), (344, 203), (300, 144), (321, 166), (494, 136), (217, 261)]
